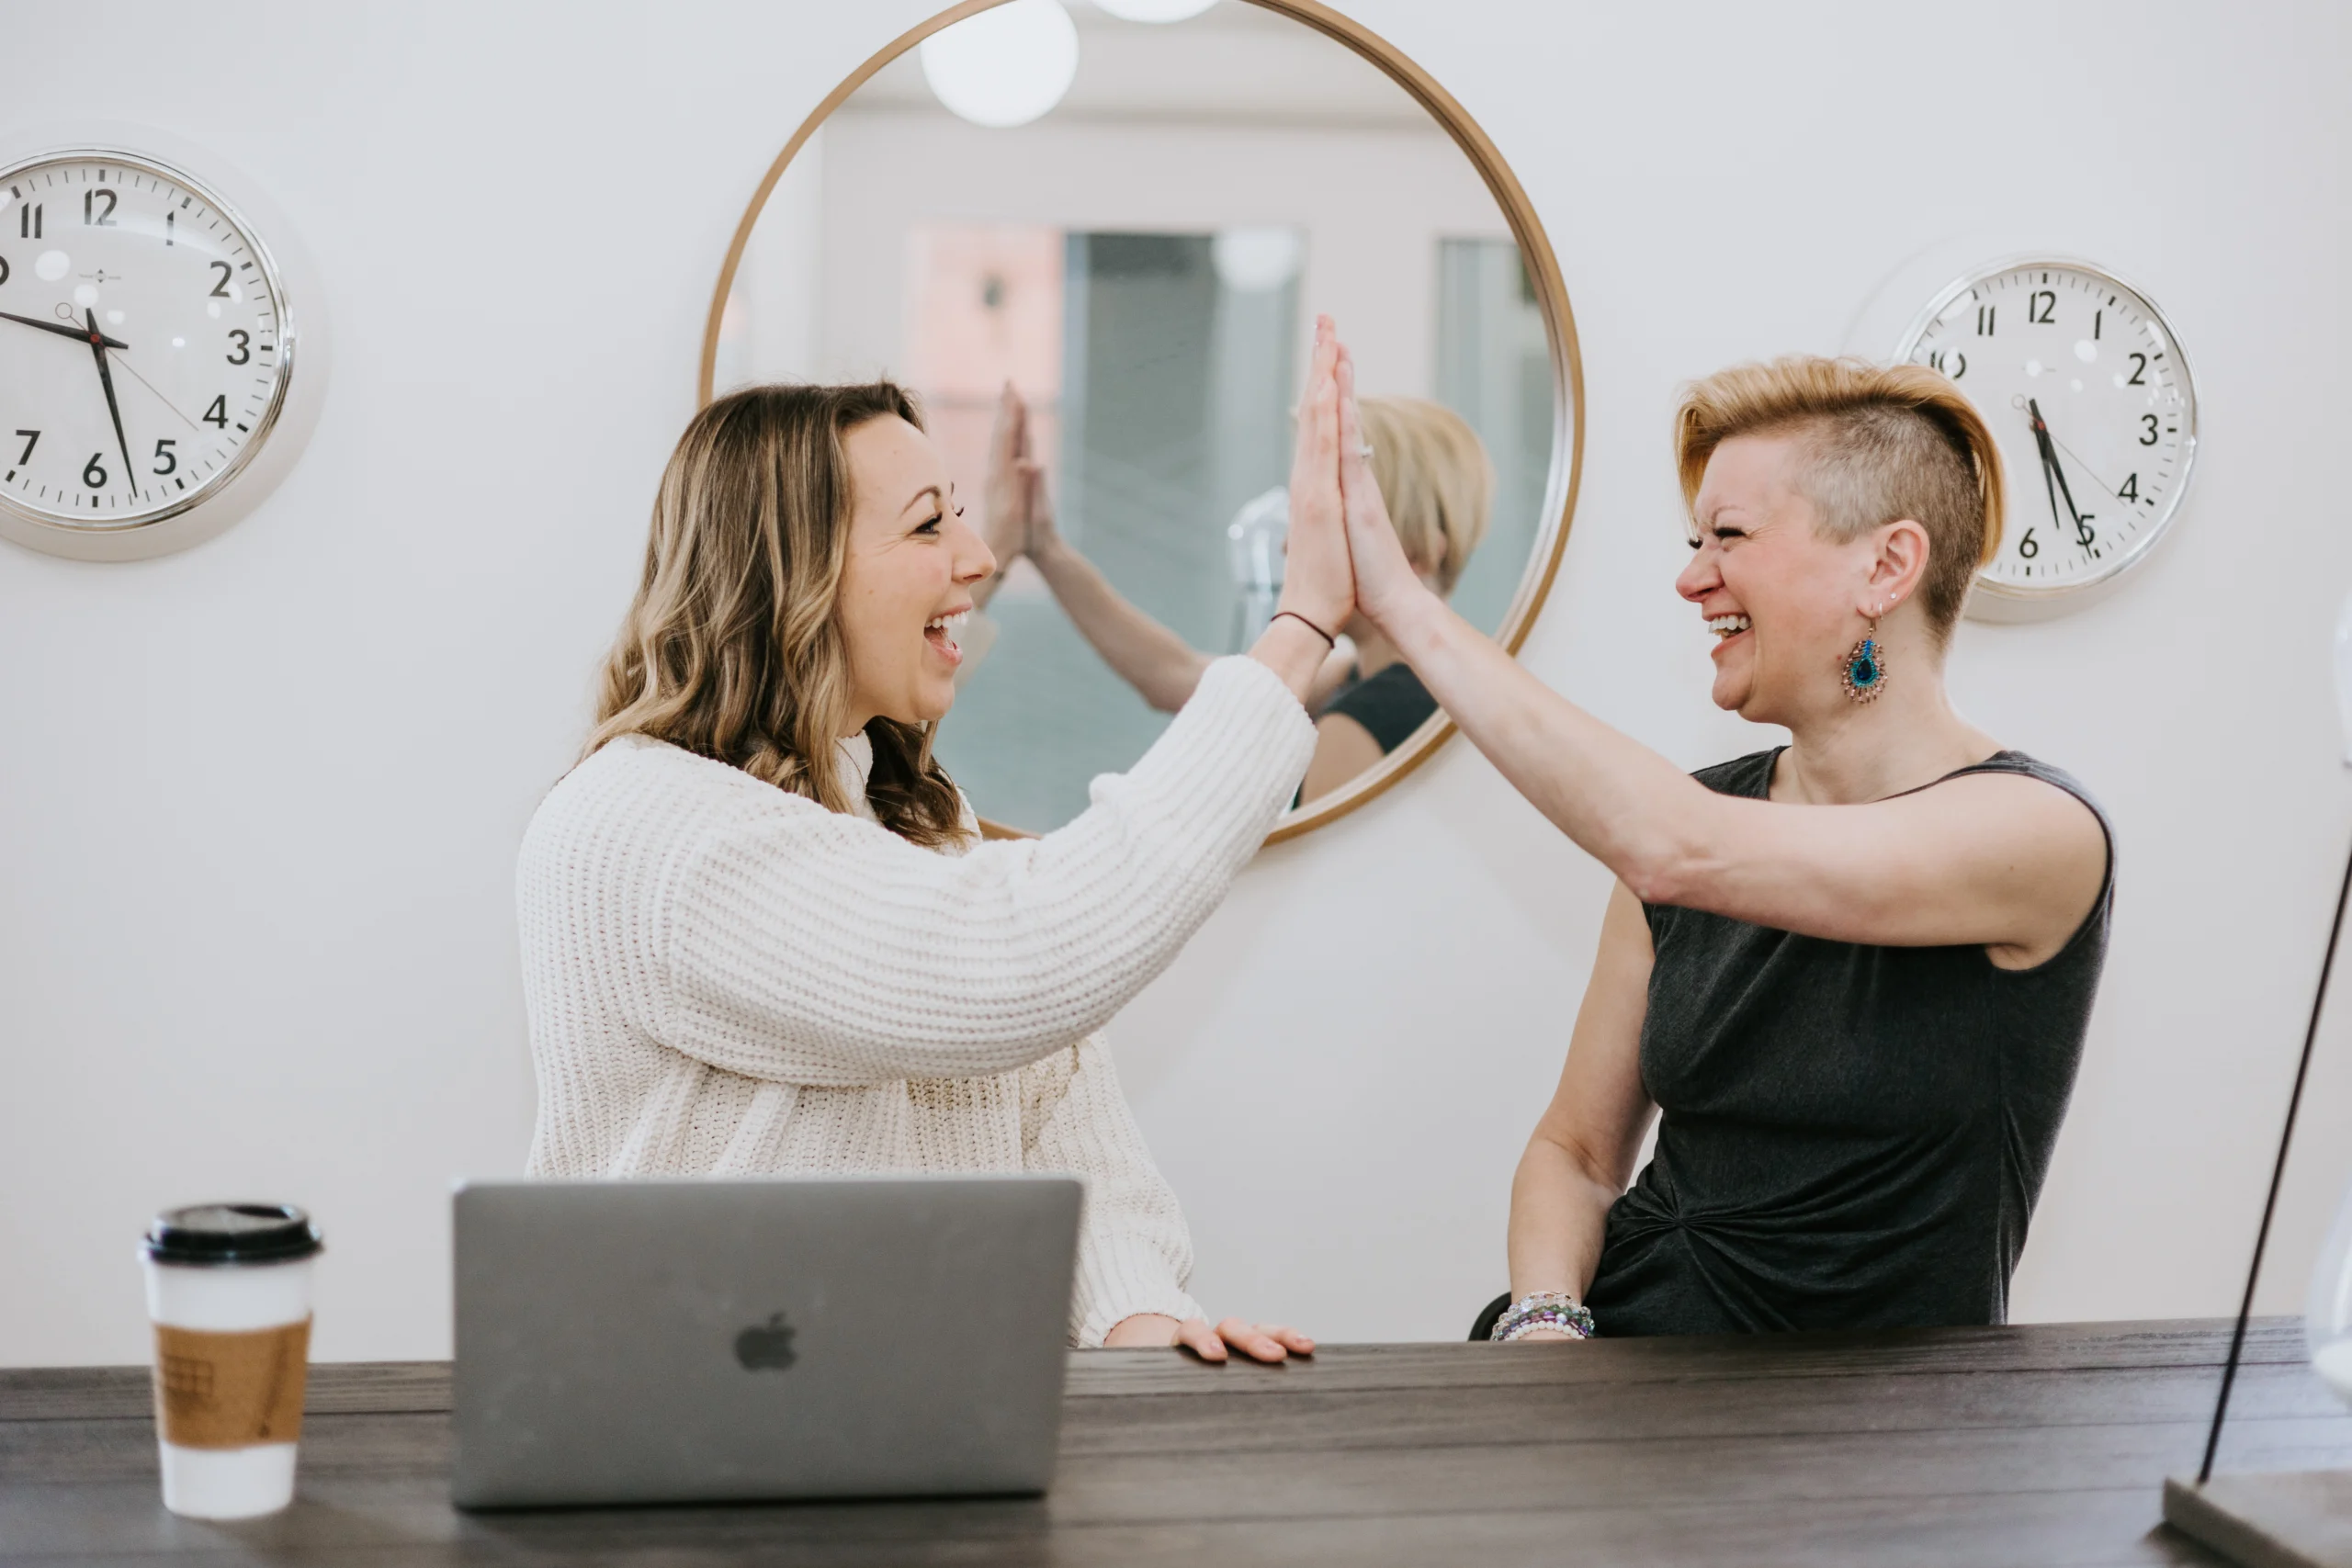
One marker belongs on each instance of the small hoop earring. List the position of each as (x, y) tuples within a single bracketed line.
[(1864, 673)]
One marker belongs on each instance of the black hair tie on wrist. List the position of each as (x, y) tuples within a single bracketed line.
[(1310, 626)]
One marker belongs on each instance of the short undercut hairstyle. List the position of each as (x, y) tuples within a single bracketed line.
[(1879, 443)]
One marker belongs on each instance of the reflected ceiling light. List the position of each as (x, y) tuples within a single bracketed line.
[(1007, 65), (1155, 10), (1254, 260)]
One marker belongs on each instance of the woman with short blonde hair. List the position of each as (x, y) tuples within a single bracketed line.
[(1849, 975), (1439, 483), (759, 935)]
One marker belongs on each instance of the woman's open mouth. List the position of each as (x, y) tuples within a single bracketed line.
[(940, 632), (1726, 628)]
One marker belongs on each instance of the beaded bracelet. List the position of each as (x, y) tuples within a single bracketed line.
[(1553, 1309)]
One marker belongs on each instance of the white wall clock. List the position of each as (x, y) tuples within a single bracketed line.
[(2091, 397), (150, 351)]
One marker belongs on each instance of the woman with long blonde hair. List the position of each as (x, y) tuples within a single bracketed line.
[(759, 932)]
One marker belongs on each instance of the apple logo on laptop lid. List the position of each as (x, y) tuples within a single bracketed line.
[(766, 1347)]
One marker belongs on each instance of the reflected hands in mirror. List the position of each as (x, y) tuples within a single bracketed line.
[(1161, 667), (1319, 584), (1004, 495), (1259, 1342)]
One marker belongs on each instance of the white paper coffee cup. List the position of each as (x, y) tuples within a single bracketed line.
[(229, 1293)]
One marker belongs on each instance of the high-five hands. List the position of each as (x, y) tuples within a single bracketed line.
[(1005, 492), (1386, 582), (1259, 1342), (1319, 584)]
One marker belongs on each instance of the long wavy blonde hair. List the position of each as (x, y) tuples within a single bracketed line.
[(730, 650)]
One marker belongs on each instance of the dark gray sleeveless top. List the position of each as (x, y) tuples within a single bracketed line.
[(1849, 1136)]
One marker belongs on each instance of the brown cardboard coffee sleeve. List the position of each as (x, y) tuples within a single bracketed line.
[(231, 1390)]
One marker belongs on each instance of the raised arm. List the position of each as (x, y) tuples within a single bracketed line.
[(1162, 667), (2004, 860), (1582, 1153), (815, 948), (811, 947)]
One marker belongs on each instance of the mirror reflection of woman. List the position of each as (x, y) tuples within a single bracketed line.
[(1849, 976), (759, 934), (1366, 701)]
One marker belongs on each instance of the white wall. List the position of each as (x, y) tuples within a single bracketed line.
[(258, 803), (1372, 202)]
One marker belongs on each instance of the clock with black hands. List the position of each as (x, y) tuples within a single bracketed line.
[(147, 350), (2091, 397)]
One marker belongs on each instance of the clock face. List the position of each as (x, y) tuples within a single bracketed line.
[(144, 344), (2090, 398)]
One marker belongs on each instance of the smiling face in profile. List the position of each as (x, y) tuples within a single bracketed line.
[(1777, 595), (907, 577)]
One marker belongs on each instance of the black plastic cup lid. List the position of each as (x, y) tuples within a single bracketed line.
[(233, 1233)]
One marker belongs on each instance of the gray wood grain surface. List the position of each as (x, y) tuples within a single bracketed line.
[(2036, 1444)]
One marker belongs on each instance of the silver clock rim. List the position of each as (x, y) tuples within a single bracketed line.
[(2140, 553), (289, 342)]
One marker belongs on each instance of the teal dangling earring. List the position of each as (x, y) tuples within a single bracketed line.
[(1865, 673)]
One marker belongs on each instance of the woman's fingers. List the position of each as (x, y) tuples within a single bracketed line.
[(1252, 1341), (1382, 570), (1310, 443), (1003, 522), (1327, 413), (1037, 505), (1196, 1335), (1259, 1342), (1006, 441)]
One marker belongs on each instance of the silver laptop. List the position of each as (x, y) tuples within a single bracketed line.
[(676, 1340)]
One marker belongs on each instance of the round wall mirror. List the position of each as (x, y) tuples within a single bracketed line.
[(1093, 236)]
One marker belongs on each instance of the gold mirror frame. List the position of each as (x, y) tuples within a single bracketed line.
[(1544, 273)]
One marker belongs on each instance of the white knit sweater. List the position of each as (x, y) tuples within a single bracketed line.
[(726, 979)]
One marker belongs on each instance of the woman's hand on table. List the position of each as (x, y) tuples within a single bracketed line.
[(1259, 1342)]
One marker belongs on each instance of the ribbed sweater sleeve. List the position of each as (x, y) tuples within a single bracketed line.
[(1135, 1252), (805, 946)]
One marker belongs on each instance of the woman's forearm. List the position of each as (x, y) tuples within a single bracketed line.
[(1630, 809), (1558, 1212), (1162, 667)]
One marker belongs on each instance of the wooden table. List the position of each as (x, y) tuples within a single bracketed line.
[(2041, 1444)]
